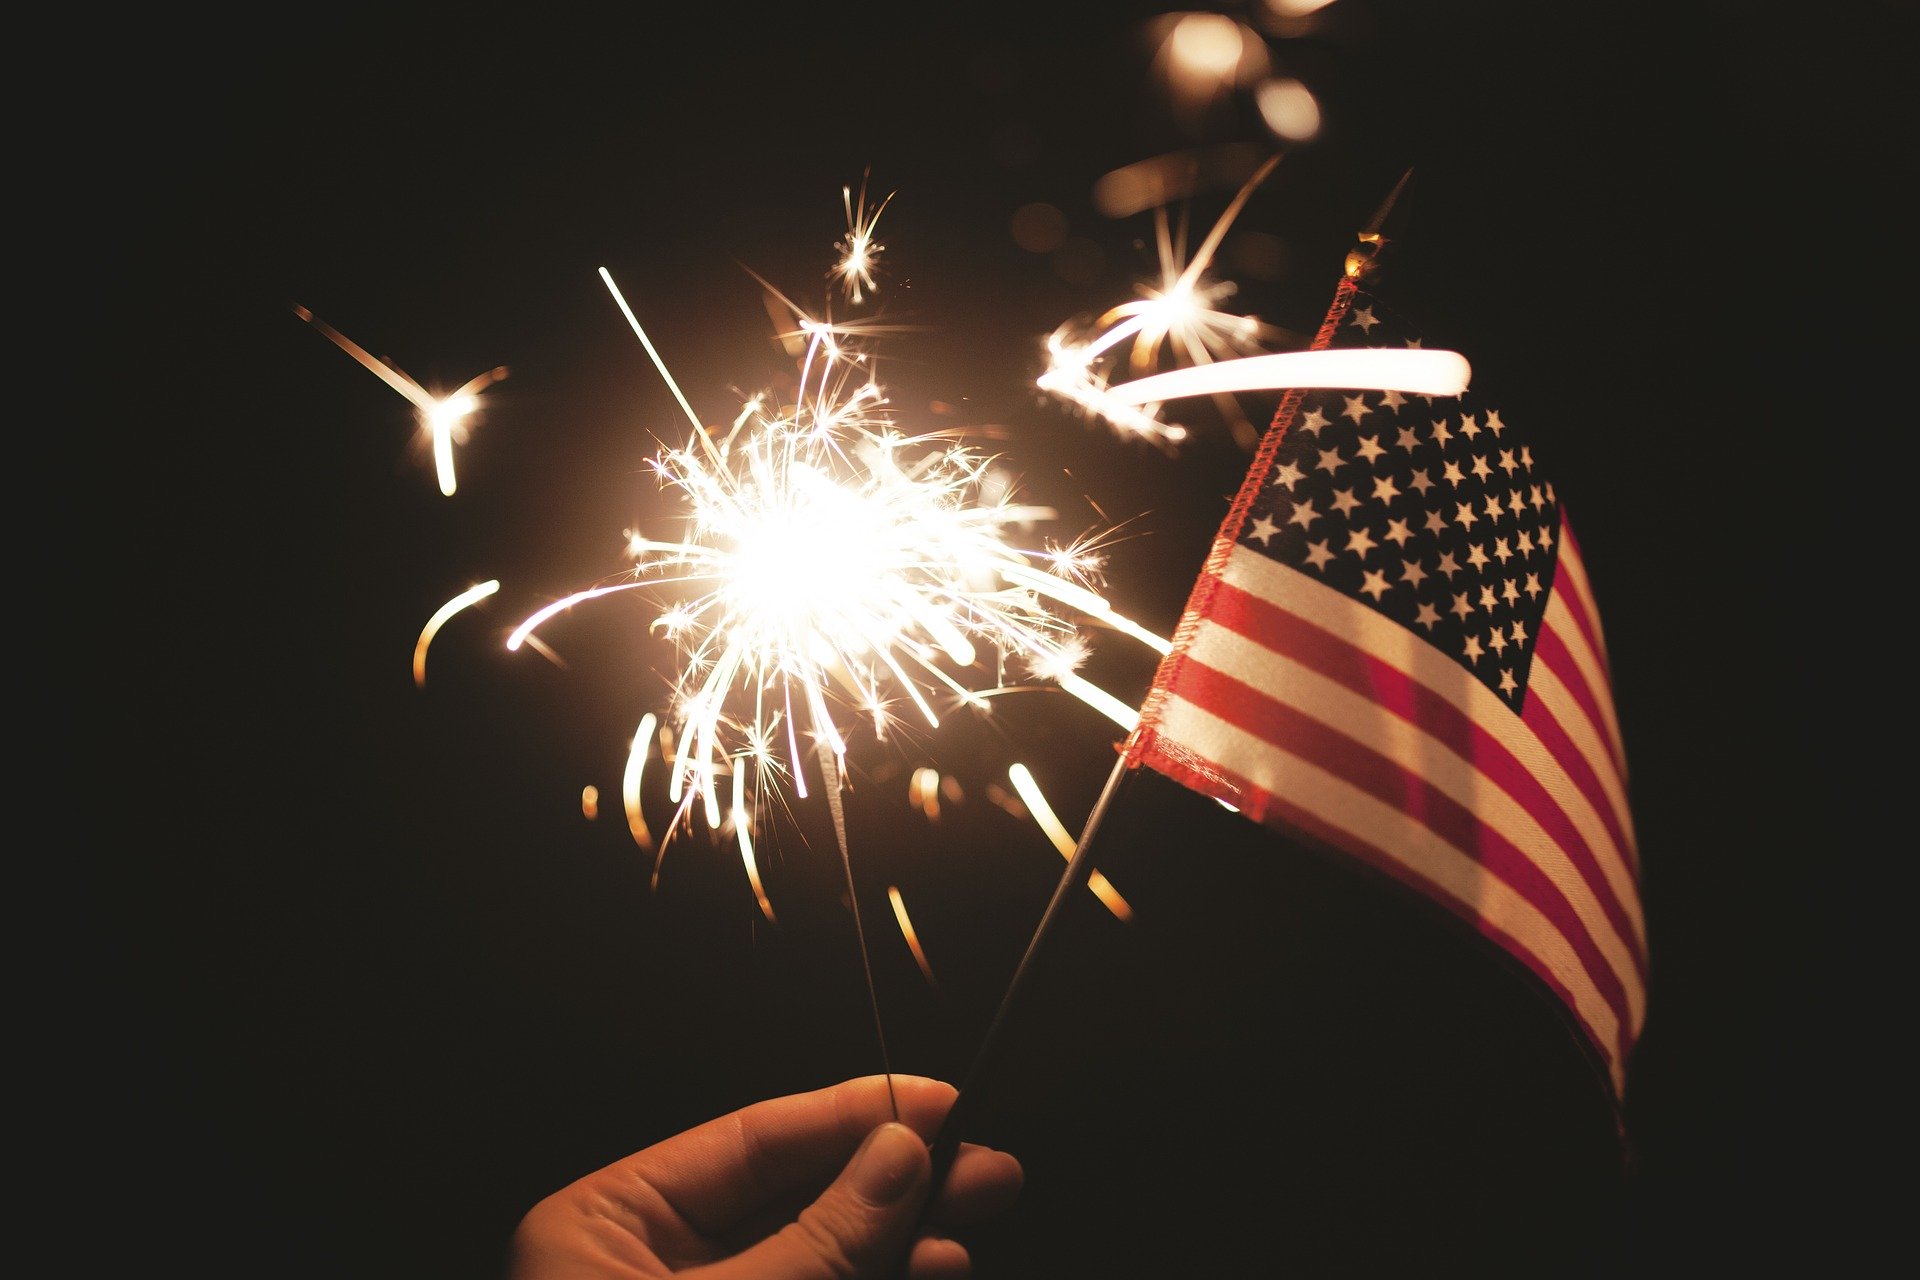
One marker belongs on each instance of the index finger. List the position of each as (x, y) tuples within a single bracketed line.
[(717, 1173)]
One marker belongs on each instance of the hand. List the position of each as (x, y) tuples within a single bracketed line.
[(814, 1186)]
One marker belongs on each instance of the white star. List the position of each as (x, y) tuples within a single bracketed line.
[(1488, 601), (1472, 649), (1412, 574), (1384, 488), (1451, 473), (1460, 607), (1426, 617), (1448, 565), (1507, 464), (1494, 509), (1303, 514), (1533, 585), (1330, 460), (1263, 529), (1501, 550), (1287, 475), (1440, 433), (1422, 480), (1515, 505), (1369, 447), (1360, 542), (1519, 633), (1463, 514), (1364, 317), (1493, 422), (1468, 427), (1507, 684), (1344, 502), (1436, 523), (1398, 533), (1375, 584), (1356, 407), (1546, 537), (1392, 399), (1476, 557), (1526, 543), (1497, 639), (1526, 457), (1317, 554), (1408, 438), (1314, 420), (1509, 592), (1534, 498), (1480, 467)]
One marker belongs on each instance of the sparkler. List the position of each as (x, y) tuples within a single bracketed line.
[(828, 561)]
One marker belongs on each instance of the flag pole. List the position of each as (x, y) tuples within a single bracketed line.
[(946, 1143)]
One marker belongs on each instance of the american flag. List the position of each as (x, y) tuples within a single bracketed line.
[(1393, 650)]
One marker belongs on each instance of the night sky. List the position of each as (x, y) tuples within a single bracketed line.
[(368, 983)]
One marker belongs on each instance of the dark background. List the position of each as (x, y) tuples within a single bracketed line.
[(369, 984)]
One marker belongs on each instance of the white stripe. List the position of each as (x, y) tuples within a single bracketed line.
[(1420, 753), (1340, 804)]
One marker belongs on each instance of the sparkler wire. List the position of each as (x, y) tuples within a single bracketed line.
[(830, 767)]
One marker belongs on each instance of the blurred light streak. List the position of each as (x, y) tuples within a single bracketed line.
[(466, 598), (1062, 840)]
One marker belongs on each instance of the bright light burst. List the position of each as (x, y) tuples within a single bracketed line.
[(829, 566), (1179, 318), (859, 251)]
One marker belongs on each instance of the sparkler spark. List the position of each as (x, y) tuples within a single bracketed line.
[(1062, 839), (859, 251), (468, 597), (442, 418), (1180, 317), (1214, 352)]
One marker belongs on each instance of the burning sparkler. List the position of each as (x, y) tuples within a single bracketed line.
[(827, 562)]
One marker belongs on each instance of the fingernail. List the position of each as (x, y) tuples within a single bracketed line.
[(888, 1163)]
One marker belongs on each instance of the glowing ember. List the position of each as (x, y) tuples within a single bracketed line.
[(439, 619), (907, 932), (1062, 839), (442, 418)]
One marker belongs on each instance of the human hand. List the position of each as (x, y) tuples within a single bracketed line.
[(812, 1186)]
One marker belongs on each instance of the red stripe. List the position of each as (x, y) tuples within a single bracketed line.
[(1327, 654), (1272, 811)]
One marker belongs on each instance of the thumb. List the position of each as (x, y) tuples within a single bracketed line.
[(860, 1226)]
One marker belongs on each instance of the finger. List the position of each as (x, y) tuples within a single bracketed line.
[(982, 1183), (718, 1173), (860, 1226), (934, 1258)]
